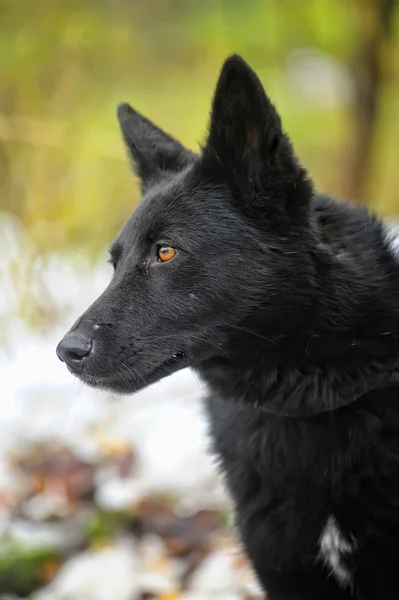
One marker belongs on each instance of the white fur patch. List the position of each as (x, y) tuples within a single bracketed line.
[(334, 547), (392, 238)]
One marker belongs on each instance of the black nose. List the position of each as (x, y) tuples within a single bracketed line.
[(73, 349)]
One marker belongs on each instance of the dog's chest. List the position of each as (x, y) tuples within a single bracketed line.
[(283, 475), (286, 452), (336, 551)]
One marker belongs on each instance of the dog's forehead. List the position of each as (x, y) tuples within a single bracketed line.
[(174, 204)]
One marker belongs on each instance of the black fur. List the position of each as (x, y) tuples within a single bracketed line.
[(286, 303)]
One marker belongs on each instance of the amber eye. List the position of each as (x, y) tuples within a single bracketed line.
[(166, 253)]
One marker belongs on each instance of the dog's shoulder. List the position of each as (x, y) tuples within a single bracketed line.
[(341, 221), (364, 243)]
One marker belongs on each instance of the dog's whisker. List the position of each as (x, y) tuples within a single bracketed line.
[(254, 333)]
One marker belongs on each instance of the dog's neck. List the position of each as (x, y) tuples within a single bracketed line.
[(308, 371), (303, 390)]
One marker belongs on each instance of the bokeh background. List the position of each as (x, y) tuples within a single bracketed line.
[(110, 499)]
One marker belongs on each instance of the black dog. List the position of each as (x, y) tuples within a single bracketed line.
[(286, 303)]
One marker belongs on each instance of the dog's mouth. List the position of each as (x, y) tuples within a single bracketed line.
[(128, 380)]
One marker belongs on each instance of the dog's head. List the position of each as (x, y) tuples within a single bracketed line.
[(215, 235)]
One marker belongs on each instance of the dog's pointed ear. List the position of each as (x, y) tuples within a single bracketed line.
[(245, 130), (152, 151)]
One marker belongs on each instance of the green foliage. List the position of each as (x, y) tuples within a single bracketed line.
[(67, 64), (23, 569), (104, 525)]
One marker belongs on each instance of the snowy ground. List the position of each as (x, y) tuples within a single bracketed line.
[(114, 499)]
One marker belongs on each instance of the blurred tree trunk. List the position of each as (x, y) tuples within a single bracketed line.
[(374, 19)]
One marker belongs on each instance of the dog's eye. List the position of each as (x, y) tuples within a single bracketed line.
[(114, 254), (166, 253), (112, 262)]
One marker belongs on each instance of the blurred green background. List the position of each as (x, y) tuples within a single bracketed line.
[(331, 66)]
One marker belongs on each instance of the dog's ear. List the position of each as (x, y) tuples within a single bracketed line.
[(152, 151), (245, 131)]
